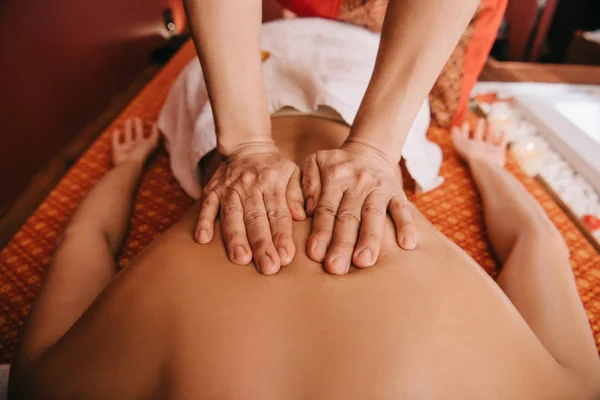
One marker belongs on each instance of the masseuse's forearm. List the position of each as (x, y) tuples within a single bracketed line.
[(227, 38), (418, 37)]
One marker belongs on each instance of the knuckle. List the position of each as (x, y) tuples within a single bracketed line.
[(363, 177), (339, 171), (259, 244), (229, 209), (344, 244), (252, 217), (280, 236), (248, 178), (324, 210), (277, 213), (308, 184), (373, 209), (234, 235), (347, 216), (398, 204), (210, 201), (406, 223), (370, 236)]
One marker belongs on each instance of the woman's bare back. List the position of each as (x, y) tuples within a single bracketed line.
[(422, 324), (183, 322)]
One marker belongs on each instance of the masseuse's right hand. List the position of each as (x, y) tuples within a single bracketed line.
[(258, 192)]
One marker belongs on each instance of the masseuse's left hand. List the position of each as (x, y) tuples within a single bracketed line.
[(349, 191)]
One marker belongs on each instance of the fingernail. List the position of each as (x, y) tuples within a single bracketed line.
[(319, 249), (409, 242), (283, 255), (339, 265), (203, 236), (266, 265), (239, 252), (310, 204), (365, 257)]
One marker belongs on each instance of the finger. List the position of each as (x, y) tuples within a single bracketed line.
[(372, 224), (406, 234), (457, 133), (128, 131), (234, 229), (138, 132), (311, 184), (503, 139), (259, 233), (205, 226), (466, 128), (323, 223), (345, 234), (280, 222), (116, 138), (294, 197), (479, 130), (491, 136)]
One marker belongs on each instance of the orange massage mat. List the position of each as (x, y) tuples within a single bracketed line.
[(454, 208)]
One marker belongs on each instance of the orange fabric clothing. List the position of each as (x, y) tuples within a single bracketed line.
[(486, 24), (449, 97)]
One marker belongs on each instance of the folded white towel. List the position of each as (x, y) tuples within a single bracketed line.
[(311, 62)]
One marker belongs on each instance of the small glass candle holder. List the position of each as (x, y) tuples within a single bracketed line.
[(529, 153)]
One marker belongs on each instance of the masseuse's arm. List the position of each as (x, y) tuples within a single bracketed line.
[(349, 190), (256, 189)]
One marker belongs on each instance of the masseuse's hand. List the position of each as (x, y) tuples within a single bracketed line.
[(349, 191), (258, 193)]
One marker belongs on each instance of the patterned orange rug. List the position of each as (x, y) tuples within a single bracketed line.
[(454, 209)]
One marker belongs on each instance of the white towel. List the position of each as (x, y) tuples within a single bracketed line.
[(311, 62)]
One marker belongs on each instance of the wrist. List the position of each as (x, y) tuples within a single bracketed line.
[(252, 146), (231, 145), (368, 147)]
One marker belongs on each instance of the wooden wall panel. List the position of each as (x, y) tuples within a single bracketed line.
[(61, 61)]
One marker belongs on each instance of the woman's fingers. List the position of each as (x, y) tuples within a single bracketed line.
[(138, 131), (465, 128), (406, 234), (280, 221), (205, 226), (311, 184), (374, 213), (479, 133), (259, 231), (295, 197), (323, 223), (234, 229), (116, 138), (128, 131), (345, 234)]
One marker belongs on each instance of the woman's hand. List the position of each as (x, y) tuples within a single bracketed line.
[(349, 191), (258, 192)]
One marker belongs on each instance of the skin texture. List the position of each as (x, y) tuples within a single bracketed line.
[(417, 38), (183, 322)]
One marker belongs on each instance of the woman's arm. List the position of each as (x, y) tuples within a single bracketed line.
[(417, 38), (255, 191), (349, 191), (227, 38)]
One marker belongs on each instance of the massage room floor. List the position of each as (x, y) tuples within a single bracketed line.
[(454, 208)]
